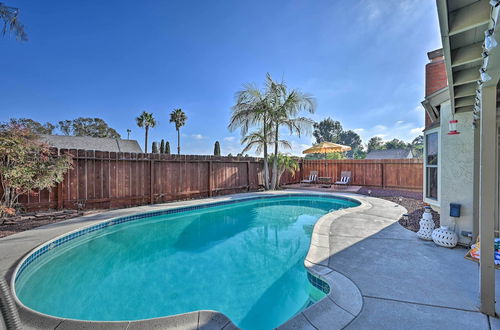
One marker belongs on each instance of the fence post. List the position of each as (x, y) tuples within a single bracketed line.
[(151, 181), (382, 174), (209, 178), (301, 171), (248, 175), (60, 202)]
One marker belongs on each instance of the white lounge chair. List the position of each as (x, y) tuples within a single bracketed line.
[(313, 177), (345, 178)]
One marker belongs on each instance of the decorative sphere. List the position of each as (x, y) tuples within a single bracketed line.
[(445, 237)]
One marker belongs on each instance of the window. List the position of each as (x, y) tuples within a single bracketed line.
[(431, 165)]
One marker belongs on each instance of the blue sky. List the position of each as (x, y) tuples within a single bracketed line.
[(363, 60)]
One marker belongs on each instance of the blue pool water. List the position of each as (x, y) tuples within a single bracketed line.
[(243, 259)]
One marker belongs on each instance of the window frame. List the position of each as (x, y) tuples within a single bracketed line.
[(431, 200)]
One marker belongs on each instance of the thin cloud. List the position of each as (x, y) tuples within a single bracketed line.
[(297, 149), (399, 130), (372, 10), (417, 130), (419, 108), (380, 11)]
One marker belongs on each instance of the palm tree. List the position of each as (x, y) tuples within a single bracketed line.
[(285, 106), (258, 140), (251, 109), (146, 120), (9, 17), (179, 118), (285, 163)]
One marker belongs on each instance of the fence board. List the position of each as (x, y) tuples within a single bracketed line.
[(110, 180), (391, 173)]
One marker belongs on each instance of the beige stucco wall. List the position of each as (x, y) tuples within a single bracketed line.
[(456, 167)]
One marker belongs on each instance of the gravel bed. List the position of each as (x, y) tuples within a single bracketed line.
[(27, 221), (411, 200)]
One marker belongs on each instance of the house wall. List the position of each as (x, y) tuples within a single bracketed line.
[(456, 171)]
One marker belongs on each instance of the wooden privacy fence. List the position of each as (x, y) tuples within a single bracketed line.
[(384, 173), (110, 180)]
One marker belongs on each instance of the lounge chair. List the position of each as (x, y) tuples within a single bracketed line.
[(313, 176), (345, 178)]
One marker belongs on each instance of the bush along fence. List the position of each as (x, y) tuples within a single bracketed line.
[(112, 180)]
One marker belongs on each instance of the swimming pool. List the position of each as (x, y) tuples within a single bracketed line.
[(243, 258)]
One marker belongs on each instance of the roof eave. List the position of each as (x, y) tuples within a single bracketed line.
[(463, 29), (431, 102)]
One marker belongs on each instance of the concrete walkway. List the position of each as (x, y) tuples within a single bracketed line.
[(406, 283)]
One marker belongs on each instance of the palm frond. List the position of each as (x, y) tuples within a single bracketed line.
[(178, 117), (146, 119)]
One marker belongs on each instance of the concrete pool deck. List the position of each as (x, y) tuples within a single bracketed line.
[(406, 283), (380, 274)]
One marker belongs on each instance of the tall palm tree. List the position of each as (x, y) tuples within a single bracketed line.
[(179, 118), (146, 120), (251, 109), (285, 107)]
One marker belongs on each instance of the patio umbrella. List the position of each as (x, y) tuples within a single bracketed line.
[(326, 147)]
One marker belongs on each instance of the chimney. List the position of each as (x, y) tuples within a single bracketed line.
[(435, 77), (435, 72)]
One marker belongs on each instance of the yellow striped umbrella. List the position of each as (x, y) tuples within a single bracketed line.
[(326, 147)]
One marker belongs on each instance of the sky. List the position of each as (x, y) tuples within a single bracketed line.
[(363, 61)]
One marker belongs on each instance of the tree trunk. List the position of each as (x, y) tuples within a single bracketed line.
[(266, 168), (266, 162), (8, 201), (146, 141), (280, 174), (5, 203), (178, 141), (275, 160)]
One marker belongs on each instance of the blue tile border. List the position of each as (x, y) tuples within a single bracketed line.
[(318, 283)]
